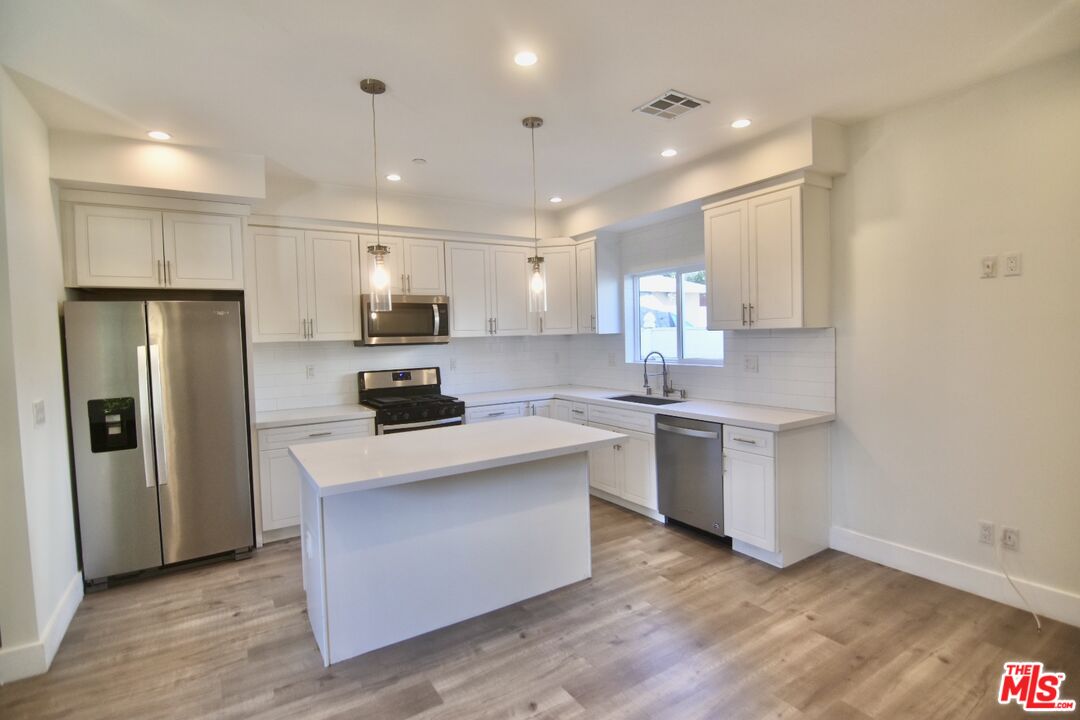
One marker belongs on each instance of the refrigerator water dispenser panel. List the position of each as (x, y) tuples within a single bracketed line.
[(112, 424)]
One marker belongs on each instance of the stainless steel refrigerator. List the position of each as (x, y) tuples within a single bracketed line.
[(159, 432)]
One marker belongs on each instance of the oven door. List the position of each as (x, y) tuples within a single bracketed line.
[(413, 320), (425, 425)]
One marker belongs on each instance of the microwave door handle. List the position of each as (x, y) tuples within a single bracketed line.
[(144, 417), (435, 313), (158, 398)]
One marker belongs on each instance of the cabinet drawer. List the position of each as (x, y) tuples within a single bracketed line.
[(642, 422), (759, 442), (317, 432), (579, 412), (485, 413)]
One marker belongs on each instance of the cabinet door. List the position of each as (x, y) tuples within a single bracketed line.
[(467, 285), (276, 284), (602, 468), (638, 464), (118, 247), (542, 408), (510, 272), (750, 499), (727, 248), (333, 281), (280, 480), (561, 277), (204, 252), (560, 410), (586, 287), (425, 271), (775, 259), (395, 262)]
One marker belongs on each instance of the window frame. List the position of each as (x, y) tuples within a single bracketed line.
[(635, 284)]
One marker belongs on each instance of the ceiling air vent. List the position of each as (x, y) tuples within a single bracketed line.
[(671, 105)]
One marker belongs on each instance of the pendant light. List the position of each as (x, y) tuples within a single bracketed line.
[(379, 279), (537, 281)]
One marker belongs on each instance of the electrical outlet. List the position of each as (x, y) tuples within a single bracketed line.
[(611, 359), (986, 532), (1010, 538), (1013, 265), (309, 372), (989, 266), (750, 363)]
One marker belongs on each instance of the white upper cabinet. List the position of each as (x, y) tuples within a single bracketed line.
[(425, 270), (560, 274), (118, 247), (467, 280), (416, 266), (204, 251), (333, 272), (488, 289), (303, 285), (767, 259), (146, 248), (599, 286)]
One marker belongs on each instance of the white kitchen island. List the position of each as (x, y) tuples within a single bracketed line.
[(403, 534)]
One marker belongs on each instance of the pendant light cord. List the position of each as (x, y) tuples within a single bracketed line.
[(375, 173), (536, 236)]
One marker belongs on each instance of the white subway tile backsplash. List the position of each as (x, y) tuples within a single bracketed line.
[(796, 368)]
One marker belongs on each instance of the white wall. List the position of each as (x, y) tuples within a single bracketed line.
[(34, 292), (959, 398), (107, 162)]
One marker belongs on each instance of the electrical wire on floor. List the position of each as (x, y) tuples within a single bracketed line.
[(1001, 564)]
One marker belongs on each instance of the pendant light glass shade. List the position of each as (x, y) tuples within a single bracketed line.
[(537, 277), (378, 282)]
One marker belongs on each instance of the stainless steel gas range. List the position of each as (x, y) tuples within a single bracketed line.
[(409, 399)]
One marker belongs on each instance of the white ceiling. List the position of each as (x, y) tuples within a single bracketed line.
[(279, 77)]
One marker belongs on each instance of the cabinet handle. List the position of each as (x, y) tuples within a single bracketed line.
[(495, 322), (496, 414), (408, 283), (303, 328), (751, 314), (593, 322), (168, 272), (618, 447), (744, 314), (541, 324), (744, 440), (578, 412), (160, 277), (403, 282), (321, 434)]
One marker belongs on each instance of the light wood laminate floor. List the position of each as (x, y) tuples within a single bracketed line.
[(670, 626)]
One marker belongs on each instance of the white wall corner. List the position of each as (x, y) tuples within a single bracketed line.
[(35, 658), (1047, 601)]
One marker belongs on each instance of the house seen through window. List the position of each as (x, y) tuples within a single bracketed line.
[(671, 309)]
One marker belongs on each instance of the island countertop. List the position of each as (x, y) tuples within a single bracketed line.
[(367, 463)]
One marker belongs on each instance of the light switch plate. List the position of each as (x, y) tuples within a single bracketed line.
[(989, 266), (1013, 264), (309, 372), (750, 363), (39, 412)]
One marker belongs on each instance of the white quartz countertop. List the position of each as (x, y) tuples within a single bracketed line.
[(367, 463), (761, 417), (308, 416)]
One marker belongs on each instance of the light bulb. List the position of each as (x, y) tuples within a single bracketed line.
[(537, 282), (379, 277)]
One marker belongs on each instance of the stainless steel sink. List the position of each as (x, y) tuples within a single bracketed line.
[(645, 399)]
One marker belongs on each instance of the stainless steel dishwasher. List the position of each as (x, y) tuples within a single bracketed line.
[(690, 472)]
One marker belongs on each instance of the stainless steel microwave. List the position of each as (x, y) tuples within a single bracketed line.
[(412, 320)]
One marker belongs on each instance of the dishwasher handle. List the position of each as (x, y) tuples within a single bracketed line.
[(704, 434)]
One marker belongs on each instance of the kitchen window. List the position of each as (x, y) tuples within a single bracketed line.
[(670, 307)]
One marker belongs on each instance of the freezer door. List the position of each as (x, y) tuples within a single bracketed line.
[(105, 344), (200, 426)]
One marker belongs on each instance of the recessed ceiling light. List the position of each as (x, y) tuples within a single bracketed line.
[(393, 177), (525, 58), (741, 123), (159, 135), (556, 199), (670, 152)]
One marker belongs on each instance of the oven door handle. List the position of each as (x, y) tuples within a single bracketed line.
[(420, 425), (435, 312)]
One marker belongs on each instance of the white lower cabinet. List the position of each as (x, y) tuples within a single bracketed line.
[(487, 413), (750, 499), (776, 495), (626, 470), (542, 408), (279, 476)]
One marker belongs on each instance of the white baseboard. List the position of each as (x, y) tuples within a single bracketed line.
[(988, 583), (616, 500), (34, 658)]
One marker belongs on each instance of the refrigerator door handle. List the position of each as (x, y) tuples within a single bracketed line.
[(144, 416), (158, 397)]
